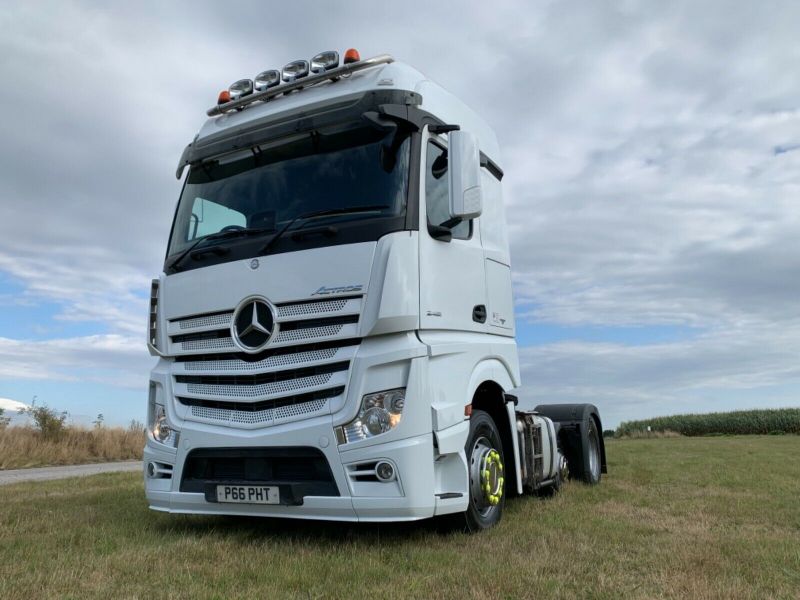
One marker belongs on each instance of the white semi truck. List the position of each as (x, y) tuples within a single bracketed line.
[(335, 323)]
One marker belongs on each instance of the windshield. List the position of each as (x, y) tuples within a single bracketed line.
[(265, 187)]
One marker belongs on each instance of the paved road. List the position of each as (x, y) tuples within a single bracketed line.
[(48, 473)]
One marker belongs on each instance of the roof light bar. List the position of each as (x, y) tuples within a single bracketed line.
[(243, 87), (295, 70), (267, 79), (325, 61), (304, 81)]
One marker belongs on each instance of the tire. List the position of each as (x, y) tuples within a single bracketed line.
[(484, 451), (591, 458)]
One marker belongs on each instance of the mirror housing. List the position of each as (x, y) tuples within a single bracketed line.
[(464, 170)]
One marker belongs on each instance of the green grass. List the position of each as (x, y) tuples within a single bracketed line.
[(739, 422), (675, 517)]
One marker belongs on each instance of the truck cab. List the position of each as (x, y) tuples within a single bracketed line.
[(334, 322)]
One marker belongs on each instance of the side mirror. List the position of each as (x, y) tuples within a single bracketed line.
[(466, 196)]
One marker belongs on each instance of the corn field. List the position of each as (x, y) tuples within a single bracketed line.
[(743, 422)]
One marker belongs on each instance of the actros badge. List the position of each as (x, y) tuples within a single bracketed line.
[(342, 289)]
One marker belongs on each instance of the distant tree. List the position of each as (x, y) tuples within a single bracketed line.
[(48, 421), (608, 433), (98, 422), (4, 421)]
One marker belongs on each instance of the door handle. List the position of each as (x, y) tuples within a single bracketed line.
[(479, 313)]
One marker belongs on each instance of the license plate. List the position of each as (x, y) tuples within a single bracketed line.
[(248, 494)]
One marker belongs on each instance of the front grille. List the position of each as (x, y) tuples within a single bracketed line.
[(261, 378), (206, 321), (297, 399), (303, 370), (297, 471)]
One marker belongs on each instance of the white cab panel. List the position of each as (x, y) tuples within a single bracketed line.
[(501, 304)]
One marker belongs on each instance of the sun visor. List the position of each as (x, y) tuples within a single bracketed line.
[(273, 127)]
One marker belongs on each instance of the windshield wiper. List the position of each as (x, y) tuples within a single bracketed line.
[(222, 235), (320, 213)]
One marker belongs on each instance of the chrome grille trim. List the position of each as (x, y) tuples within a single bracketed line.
[(311, 308), (259, 417), (237, 366), (220, 343), (221, 340), (221, 319), (260, 392), (286, 312), (294, 335), (236, 414)]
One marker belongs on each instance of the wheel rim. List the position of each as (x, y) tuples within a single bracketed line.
[(486, 476), (594, 454)]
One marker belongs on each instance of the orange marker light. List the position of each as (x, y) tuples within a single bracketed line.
[(224, 96), (468, 410), (351, 56)]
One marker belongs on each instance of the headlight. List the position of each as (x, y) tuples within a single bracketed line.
[(161, 430), (380, 412)]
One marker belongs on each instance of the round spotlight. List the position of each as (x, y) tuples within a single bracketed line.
[(152, 470), (243, 87), (324, 61), (384, 471), (267, 79), (295, 70)]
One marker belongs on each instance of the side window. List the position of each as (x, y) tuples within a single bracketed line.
[(209, 217), (437, 191)]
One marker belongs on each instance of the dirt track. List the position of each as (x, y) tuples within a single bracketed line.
[(48, 473)]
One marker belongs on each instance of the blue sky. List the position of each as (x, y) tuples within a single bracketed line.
[(652, 160)]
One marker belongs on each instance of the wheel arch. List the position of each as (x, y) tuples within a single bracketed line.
[(488, 385)]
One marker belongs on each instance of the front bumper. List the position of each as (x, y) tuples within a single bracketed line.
[(410, 497)]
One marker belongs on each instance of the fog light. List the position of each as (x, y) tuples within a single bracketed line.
[(152, 470), (384, 471)]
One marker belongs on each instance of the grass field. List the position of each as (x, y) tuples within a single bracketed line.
[(24, 447), (675, 517)]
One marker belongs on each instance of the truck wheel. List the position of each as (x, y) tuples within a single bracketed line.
[(486, 464), (590, 453)]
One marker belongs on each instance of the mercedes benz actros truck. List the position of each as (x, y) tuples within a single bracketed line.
[(334, 323)]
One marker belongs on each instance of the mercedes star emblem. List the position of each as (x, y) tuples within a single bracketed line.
[(253, 324)]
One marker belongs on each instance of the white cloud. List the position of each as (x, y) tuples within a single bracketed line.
[(714, 371), (110, 359)]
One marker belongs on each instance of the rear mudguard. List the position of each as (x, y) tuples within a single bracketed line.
[(571, 419)]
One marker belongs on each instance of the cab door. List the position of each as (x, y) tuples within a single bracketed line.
[(452, 274)]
